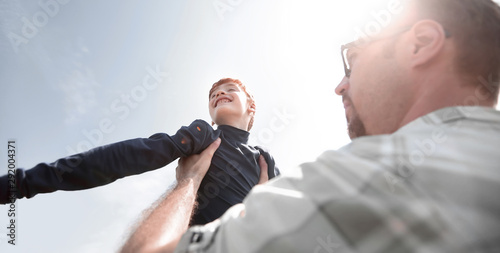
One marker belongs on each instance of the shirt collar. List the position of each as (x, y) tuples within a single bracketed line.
[(234, 133), (449, 115)]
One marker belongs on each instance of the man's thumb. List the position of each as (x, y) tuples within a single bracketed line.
[(210, 150)]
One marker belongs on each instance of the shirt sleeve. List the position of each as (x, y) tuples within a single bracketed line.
[(274, 217), (325, 208), (105, 164)]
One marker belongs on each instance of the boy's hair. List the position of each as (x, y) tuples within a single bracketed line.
[(242, 86)]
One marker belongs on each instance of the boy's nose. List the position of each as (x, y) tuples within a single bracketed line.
[(342, 86), (221, 92)]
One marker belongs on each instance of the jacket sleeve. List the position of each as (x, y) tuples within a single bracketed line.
[(272, 169), (105, 164)]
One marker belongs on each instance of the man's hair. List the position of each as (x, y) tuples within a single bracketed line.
[(475, 27), (242, 86)]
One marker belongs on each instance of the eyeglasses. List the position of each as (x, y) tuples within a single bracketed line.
[(344, 49)]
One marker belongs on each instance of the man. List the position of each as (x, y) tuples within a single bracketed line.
[(422, 173)]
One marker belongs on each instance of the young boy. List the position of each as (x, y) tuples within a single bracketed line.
[(233, 172)]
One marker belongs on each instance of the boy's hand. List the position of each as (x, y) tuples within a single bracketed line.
[(264, 177), (196, 166)]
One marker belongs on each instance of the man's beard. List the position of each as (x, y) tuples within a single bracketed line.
[(355, 127)]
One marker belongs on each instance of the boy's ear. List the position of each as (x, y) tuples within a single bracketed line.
[(252, 107)]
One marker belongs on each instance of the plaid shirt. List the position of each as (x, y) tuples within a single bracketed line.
[(432, 186)]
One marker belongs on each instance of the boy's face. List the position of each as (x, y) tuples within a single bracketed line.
[(229, 105)]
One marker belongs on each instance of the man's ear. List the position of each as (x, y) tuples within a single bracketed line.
[(428, 39)]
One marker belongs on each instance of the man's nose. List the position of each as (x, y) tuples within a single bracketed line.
[(342, 86)]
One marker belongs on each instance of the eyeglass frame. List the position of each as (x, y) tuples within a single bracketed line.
[(347, 70)]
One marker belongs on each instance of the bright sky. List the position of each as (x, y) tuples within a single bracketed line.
[(77, 66)]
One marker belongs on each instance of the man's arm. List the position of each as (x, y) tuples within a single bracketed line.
[(163, 228)]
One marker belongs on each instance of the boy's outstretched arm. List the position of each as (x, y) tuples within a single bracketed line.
[(163, 228), (105, 164)]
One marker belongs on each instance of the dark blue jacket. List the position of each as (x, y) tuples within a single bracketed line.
[(232, 174)]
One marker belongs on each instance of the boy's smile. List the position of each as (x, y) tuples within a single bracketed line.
[(222, 100)]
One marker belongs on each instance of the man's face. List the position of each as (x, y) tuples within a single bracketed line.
[(355, 126), (228, 103), (375, 96)]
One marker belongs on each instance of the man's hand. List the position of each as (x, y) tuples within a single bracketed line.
[(196, 166), (163, 228), (264, 176)]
